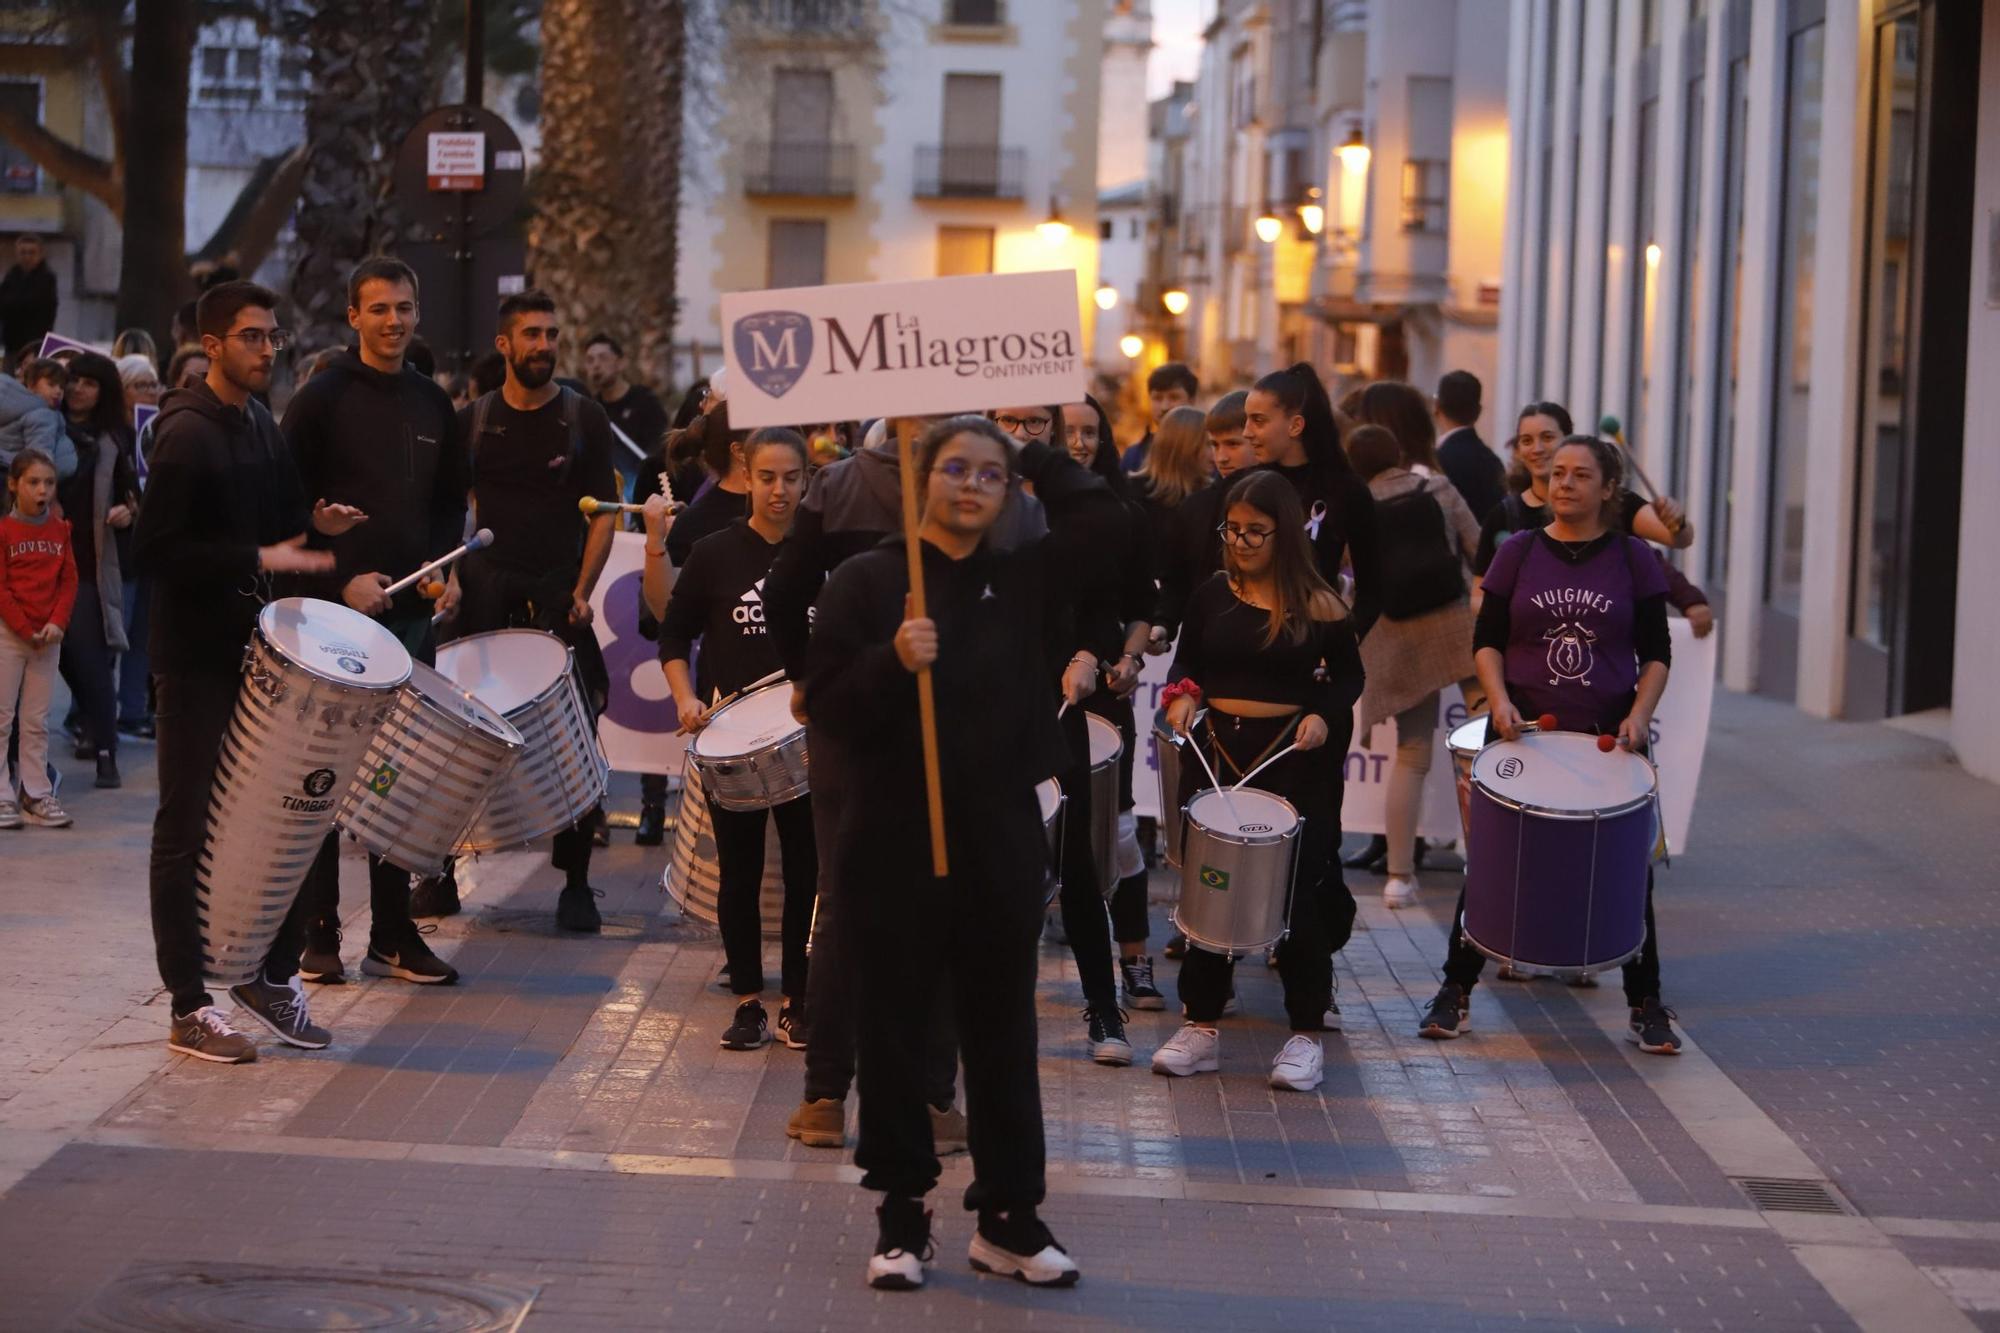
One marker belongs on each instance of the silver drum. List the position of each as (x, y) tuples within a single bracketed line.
[(1237, 866), (318, 681), (693, 874), (1167, 756), (1107, 746), (1050, 795), (526, 677), (752, 751), (427, 773)]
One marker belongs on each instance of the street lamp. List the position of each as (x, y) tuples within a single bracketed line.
[(1106, 297), (1269, 228), (1053, 229), (1312, 213), (1353, 153), (1175, 300), (1132, 344), (1653, 255)]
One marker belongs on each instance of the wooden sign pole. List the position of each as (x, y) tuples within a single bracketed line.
[(906, 435)]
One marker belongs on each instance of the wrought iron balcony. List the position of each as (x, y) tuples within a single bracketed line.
[(949, 171), (825, 18), (810, 170)]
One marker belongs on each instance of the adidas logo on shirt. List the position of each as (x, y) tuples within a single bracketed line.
[(749, 609)]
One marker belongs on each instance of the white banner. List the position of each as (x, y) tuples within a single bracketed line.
[(858, 350), (638, 726), (1680, 738)]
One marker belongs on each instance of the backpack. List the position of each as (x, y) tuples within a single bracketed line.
[(572, 419), (1419, 561)]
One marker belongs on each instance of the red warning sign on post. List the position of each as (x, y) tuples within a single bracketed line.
[(456, 161)]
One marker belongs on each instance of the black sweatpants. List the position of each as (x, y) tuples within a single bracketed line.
[(1130, 923), (193, 713), (1322, 915), (388, 897), (1463, 963), (739, 853), (979, 926), (87, 664), (1085, 920)]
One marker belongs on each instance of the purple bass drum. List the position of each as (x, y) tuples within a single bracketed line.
[(1558, 840)]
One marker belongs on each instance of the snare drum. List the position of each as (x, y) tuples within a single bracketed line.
[(752, 752), (1464, 742), (1107, 746), (1167, 756), (1237, 865), (1050, 795), (1558, 838), (525, 676), (318, 681), (426, 774), (693, 874)]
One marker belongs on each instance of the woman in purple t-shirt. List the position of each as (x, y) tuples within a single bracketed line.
[(1574, 623)]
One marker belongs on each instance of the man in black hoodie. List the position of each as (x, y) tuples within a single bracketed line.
[(371, 431), (224, 518)]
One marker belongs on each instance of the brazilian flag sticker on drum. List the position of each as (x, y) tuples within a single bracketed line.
[(385, 778), (1211, 878)]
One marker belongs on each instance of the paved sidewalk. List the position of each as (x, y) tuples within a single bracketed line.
[(563, 1126)]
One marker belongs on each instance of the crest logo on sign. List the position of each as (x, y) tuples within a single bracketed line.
[(774, 347)]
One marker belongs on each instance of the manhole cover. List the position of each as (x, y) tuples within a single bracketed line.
[(228, 1298)]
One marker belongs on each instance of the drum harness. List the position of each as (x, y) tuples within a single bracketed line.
[(1239, 770)]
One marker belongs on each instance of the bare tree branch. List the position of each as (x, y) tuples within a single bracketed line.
[(65, 161)]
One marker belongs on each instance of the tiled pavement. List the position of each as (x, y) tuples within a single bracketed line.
[(1534, 1172)]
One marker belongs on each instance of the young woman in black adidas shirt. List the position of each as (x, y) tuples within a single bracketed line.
[(718, 600), (1253, 644)]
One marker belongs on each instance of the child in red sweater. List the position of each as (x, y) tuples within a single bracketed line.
[(37, 590)]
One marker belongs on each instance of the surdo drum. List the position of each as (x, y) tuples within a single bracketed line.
[(318, 680), (1558, 838), (1464, 743), (1107, 745), (692, 877), (752, 752), (1239, 857), (1168, 754)]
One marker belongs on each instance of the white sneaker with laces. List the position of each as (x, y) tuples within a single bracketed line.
[(1192, 1050), (1399, 891), (1301, 1064)]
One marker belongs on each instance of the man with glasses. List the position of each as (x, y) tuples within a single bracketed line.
[(224, 517)]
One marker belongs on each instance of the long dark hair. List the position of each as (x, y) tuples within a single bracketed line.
[(1518, 480), (109, 418), (1105, 461), (1402, 410), (1299, 391), (1299, 594)]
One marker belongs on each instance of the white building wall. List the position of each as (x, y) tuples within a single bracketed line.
[(1975, 734), (1121, 265)]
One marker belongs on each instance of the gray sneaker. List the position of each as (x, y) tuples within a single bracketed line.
[(47, 812), (10, 814), (206, 1034), (283, 1010)]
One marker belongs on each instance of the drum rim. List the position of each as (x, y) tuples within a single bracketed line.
[(1645, 798), (313, 670), (1103, 723), (1466, 751), (511, 739), (797, 735), (1251, 840), (569, 665)]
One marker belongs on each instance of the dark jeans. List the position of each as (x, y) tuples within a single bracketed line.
[(135, 703), (739, 854), (1322, 913), (979, 927), (388, 897), (1463, 963), (1084, 917), (194, 711), (1131, 922), (832, 991), (87, 662)]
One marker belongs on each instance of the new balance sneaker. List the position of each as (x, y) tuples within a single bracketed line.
[(902, 1245), (750, 1030), (436, 896), (1106, 1031), (947, 1130), (320, 962), (283, 1010), (1450, 1014), (10, 814), (1140, 992), (1018, 1244), (1301, 1064), (1653, 1029), (576, 909), (1193, 1050), (410, 959), (45, 812), (792, 1024), (207, 1034), (821, 1122), (1399, 891)]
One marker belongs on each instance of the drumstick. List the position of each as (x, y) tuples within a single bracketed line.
[(759, 684), (591, 508), (1064, 708), (1227, 804), (1266, 764), (479, 539)]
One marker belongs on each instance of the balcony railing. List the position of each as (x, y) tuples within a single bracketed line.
[(948, 171), (811, 17), (811, 170)]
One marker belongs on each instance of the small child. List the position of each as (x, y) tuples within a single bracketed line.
[(26, 424), (37, 591)]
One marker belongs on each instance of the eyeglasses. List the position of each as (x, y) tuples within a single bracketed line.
[(959, 473), (275, 339), (1247, 538), (1031, 426)]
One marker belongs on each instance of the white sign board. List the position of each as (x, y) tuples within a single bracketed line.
[(455, 160), (638, 726), (851, 352)]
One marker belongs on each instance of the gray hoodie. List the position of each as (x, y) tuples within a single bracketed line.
[(26, 422)]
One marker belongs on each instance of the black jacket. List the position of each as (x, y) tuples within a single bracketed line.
[(1340, 512), (222, 485), (27, 306), (1475, 469), (390, 446)]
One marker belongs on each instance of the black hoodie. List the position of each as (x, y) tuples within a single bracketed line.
[(222, 485), (389, 445)]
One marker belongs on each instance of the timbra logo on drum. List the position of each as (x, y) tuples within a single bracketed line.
[(317, 784), (347, 657)]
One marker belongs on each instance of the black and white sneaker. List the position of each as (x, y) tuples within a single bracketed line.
[(1653, 1029), (1450, 1014), (1106, 1029), (902, 1245), (283, 1010), (750, 1030), (792, 1024), (320, 962), (409, 960), (1018, 1244), (1140, 992)]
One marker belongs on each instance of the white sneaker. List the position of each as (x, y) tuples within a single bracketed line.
[(1300, 1066), (10, 814), (1021, 1247), (1192, 1050), (1399, 891), (901, 1247)]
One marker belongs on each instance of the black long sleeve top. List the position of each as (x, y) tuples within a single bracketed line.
[(1223, 649), (718, 599), (1340, 515)]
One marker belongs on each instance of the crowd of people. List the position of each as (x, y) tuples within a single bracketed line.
[(1310, 567)]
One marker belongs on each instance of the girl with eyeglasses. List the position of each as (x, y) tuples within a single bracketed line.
[(1269, 649)]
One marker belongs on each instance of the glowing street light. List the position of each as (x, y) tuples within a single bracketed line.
[(1132, 344), (1175, 300), (1653, 255), (1053, 229), (1106, 297), (1269, 228), (1353, 153)]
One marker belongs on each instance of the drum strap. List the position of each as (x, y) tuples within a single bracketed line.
[(1238, 770)]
